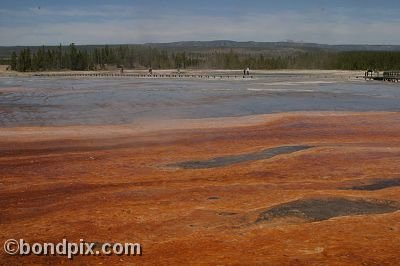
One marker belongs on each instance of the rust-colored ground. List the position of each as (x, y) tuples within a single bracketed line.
[(119, 188)]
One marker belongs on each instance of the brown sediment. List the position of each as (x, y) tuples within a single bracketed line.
[(110, 184)]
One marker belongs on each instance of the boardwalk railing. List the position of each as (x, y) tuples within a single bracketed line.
[(392, 76), (200, 76)]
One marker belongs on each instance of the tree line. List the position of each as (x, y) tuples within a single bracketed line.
[(141, 56)]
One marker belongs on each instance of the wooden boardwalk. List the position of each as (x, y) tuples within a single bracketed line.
[(391, 76), (171, 76)]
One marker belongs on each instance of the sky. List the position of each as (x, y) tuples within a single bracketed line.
[(45, 22)]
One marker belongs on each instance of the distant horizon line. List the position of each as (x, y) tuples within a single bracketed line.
[(203, 41)]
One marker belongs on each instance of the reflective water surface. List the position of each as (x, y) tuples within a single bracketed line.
[(66, 101)]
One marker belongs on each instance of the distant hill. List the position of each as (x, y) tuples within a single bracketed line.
[(226, 45), (273, 45)]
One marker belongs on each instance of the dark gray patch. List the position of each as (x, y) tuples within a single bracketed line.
[(381, 184), (234, 159), (227, 213), (213, 198), (323, 209)]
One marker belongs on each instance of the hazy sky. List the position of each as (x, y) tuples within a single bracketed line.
[(37, 22)]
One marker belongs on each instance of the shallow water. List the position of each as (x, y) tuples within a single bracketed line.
[(326, 208), (379, 184), (240, 158), (68, 101)]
